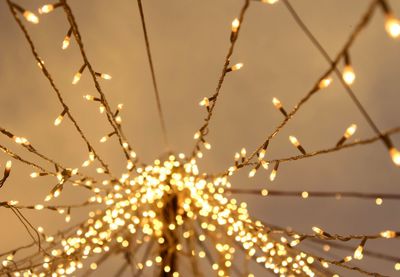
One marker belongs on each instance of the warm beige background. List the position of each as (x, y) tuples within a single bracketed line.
[(190, 39)]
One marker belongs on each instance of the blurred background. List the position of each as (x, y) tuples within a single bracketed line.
[(189, 42)]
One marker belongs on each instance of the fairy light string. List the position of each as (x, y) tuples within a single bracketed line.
[(51, 81), (322, 236), (347, 81), (211, 102), (265, 163), (162, 207), (350, 41), (117, 127)]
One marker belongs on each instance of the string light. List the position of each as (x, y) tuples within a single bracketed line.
[(325, 82), (29, 16), (304, 194), (279, 106), (252, 173), (21, 140), (197, 135), (389, 234), (274, 172), (235, 67), (348, 72), (89, 97), (358, 253), (347, 134), (392, 26), (60, 118), (297, 144), (6, 174), (103, 76), (139, 205), (263, 151), (45, 9), (67, 40), (205, 102), (105, 138), (78, 75), (394, 153), (235, 25)]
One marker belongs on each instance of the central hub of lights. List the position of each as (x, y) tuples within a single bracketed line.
[(170, 211)]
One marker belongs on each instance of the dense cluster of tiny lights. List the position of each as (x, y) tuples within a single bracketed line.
[(163, 203), (169, 207)]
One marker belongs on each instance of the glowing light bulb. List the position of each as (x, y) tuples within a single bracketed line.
[(31, 17), (21, 140), (350, 131), (294, 141), (272, 176), (235, 25), (392, 26), (34, 175), (38, 207), (46, 9), (58, 120), (297, 144), (276, 103), (389, 234), (40, 64), (358, 254), (12, 202), (197, 135), (205, 102), (304, 194), (395, 154), (347, 134), (348, 75), (271, 2), (66, 42), (104, 139), (261, 154), (294, 243), (324, 83), (91, 156), (105, 76), (89, 97), (8, 165), (265, 164), (252, 173), (347, 259), (76, 78), (237, 66), (129, 165), (317, 230), (207, 145)]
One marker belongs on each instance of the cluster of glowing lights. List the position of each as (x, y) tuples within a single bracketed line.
[(134, 214), (134, 205)]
